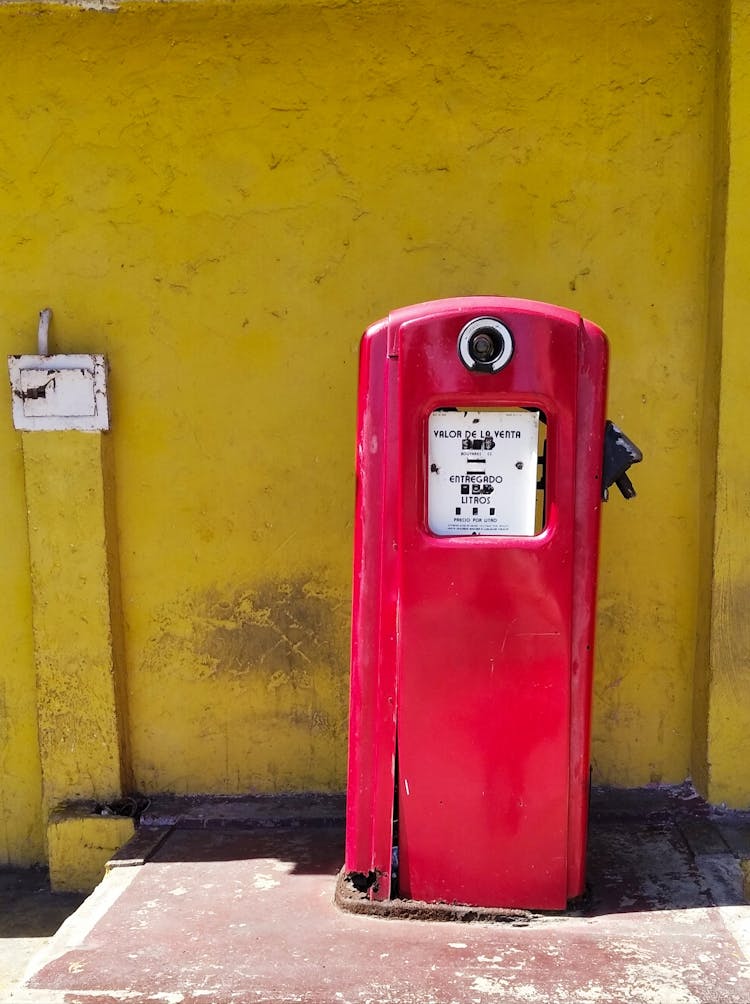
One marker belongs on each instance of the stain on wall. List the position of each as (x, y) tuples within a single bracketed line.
[(250, 684), (280, 629)]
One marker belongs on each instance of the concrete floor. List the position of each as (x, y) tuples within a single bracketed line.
[(227, 910)]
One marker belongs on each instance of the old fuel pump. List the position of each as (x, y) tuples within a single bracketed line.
[(483, 456)]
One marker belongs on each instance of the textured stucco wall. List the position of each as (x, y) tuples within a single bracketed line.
[(728, 718), (221, 197)]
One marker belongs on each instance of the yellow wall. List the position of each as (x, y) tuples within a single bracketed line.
[(220, 197), (728, 718)]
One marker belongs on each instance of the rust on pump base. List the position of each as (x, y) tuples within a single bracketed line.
[(474, 602)]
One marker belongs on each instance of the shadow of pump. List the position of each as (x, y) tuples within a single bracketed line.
[(655, 848), (663, 848)]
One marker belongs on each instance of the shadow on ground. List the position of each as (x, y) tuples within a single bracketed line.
[(653, 848), (29, 908), (29, 916), (235, 906), (663, 848)]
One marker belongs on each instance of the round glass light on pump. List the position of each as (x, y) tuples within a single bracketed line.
[(485, 345)]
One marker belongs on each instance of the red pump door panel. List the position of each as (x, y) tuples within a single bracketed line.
[(489, 584)]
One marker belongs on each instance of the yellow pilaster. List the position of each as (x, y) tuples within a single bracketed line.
[(722, 763), (79, 696)]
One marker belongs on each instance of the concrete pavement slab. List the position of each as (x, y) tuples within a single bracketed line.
[(232, 916)]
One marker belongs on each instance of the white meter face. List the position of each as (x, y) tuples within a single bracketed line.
[(482, 473)]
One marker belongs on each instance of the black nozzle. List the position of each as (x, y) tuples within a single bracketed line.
[(620, 453)]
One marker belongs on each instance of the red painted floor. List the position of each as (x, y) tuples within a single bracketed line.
[(230, 916)]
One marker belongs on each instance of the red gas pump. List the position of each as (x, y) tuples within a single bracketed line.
[(481, 433)]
